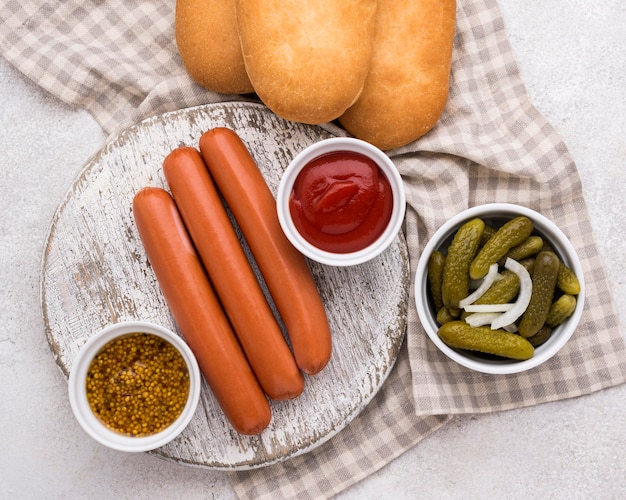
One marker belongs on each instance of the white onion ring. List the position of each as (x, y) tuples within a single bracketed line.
[(489, 308), (488, 280), (520, 305), (481, 319)]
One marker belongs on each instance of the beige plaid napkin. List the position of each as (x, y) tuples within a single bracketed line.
[(118, 60)]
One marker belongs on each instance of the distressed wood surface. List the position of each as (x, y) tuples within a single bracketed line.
[(95, 272)]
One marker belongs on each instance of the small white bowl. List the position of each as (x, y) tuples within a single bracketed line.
[(497, 213), (78, 389), (339, 144)]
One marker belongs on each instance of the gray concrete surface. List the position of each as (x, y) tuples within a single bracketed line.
[(572, 57)]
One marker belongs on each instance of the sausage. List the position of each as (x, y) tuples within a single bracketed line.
[(231, 274), (284, 268), (197, 312)]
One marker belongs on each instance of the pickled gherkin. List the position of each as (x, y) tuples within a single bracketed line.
[(544, 278), (505, 289), (567, 280), (502, 291), (444, 316), (509, 235), (435, 277), (487, 234), (460, 335), (561, 309), (529, 247), (541, 336), (455, 281)]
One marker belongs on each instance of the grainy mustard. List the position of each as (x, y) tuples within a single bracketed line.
[(138, 384)]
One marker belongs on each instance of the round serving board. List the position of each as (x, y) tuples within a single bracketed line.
[(95, 272)]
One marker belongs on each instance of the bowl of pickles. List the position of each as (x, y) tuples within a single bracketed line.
[(499, 288)]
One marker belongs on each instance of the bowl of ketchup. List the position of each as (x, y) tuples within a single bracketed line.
[(341, 201)]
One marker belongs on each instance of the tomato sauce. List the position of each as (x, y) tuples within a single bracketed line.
[(341, 202)]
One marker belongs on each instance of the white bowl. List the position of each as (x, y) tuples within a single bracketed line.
[(339, 144), (497, 213), (78, 390)]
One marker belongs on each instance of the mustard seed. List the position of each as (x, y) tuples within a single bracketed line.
[(138, 384)]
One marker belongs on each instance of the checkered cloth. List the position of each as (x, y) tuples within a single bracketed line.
[(118, 60)]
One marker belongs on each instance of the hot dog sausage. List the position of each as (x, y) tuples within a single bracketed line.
[(231, 274), (197, 311), (284, 269)]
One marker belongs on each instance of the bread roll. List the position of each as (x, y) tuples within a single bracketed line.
[(208, 43), (407, 86), (307, 59)]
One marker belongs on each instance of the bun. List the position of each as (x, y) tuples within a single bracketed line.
[(406, 89), (307, 60), (208, 43)]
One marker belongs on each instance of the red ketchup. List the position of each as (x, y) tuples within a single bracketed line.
[(341, 202)]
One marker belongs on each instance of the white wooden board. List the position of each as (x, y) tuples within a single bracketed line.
[(95, 272)]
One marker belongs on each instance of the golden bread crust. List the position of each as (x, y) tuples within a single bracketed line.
[(307, 59), (208, 44), (407, 86)]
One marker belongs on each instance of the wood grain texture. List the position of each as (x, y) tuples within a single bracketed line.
[(95, 272)]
